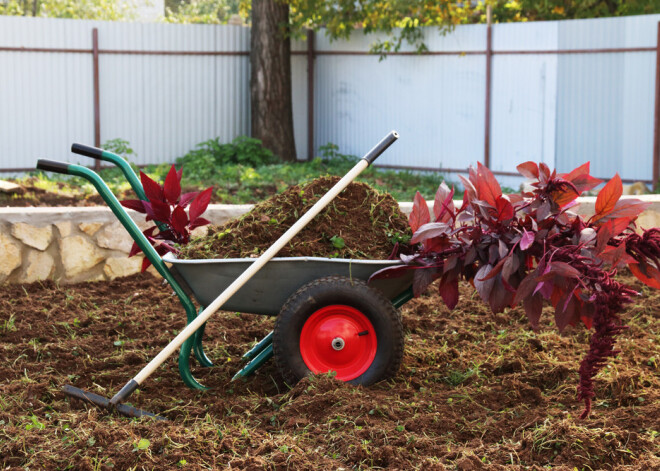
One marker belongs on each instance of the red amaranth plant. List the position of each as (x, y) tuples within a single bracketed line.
[(167, 206), (528, 248)]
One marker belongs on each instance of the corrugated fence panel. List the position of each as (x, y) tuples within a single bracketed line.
[(562, 109), (435, 102), (523, 95), (167, 104), (163, 105), (605, 101), (43, 94), (299, 71)]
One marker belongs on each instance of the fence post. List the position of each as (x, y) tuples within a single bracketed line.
[(97, 99), (656, 120), (310, 94), (489, 60)]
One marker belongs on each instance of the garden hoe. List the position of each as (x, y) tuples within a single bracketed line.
[(116, 403)]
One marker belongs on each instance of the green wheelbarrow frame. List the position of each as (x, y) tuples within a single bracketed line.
[(255, 357)]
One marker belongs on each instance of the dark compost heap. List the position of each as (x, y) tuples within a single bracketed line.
[(360, 223)]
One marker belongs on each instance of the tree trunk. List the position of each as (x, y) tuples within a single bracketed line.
[(270, 82)]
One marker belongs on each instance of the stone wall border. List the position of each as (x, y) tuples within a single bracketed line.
[(70, 244)]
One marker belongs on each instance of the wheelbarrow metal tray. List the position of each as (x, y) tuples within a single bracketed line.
[(269, 289)]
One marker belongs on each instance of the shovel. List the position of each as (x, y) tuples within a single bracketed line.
[(116, 403)]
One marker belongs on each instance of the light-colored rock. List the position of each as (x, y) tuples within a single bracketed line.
[(122, 266), (114, 237), (78, 255), (10, 256), (39, 266), (65, 228), (37, 237), (9, 187), (90, 228), (199, 231)]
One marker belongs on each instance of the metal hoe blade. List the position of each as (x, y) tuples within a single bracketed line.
[(103, 403)]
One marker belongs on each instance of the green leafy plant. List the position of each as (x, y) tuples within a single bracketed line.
[(242, 150)]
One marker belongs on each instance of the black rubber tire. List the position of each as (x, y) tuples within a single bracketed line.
[(338, 290)]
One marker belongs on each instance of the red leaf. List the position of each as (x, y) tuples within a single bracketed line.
[(443, 205), (526, 240), (179, 174), (145, 264), (161, 211), (448, 290), (135, 249), (488, 189), (565, 195), (561, 269), (646, 273), (526, 287), (495, 271), (422, 278), (625, 208), (186, 198), (533, 308), (544, 173), (135, 205), (172, 187), (608, 197), (581, 179), (198, 223), (499, 298), (617, 256), (420, 213), (568, 315), (390, 272), (149, 210), (484, 287), (470, 191), (152, 189), (611, 228), (504, 209), (576, 172), (179, 219), (200, 203), (427, 231), (529, 170)]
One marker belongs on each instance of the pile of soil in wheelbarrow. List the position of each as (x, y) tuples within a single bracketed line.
[(360, 223)]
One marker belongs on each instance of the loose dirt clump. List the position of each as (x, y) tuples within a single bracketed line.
[(359, 223)]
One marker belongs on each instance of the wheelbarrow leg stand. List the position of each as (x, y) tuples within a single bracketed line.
[(196, 344)]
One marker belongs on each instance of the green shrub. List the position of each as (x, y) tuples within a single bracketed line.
[(241, 151)]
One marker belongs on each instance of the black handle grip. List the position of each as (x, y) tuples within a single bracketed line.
[(53, 166), (87, 151), (381, 147)]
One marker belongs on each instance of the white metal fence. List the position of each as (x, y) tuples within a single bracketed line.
[(561, 92)]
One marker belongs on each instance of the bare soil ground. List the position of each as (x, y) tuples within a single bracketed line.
[(476, 391)]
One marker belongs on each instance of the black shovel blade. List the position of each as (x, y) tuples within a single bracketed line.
[(103, 403)]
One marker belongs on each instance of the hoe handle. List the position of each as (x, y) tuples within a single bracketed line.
[(53, 166), (87, 151), (190, 329)]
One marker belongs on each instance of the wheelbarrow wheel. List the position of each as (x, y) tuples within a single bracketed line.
[(341, 325)]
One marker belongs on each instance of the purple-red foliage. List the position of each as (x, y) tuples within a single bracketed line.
[(528, 248), (167, 206)]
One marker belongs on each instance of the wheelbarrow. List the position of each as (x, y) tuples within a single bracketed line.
[(328, 318)]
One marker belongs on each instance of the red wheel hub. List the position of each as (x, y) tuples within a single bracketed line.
[(338, 338)]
